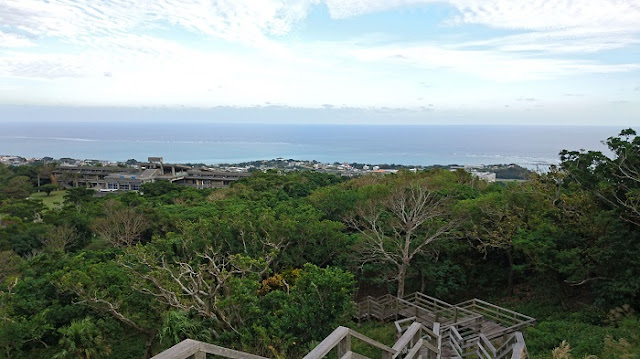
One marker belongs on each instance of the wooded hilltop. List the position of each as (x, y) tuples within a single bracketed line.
[(272, 264)]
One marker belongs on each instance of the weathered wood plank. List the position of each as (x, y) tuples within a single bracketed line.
[(182, 350), (328, 343), (408, 335), (226, 353), (188, 348), (414, 351)]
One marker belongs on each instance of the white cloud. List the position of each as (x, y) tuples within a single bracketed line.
[(13, 40), (545, 15), (558, 26), (490, 65), (514, 14), (246, 21), (568, 41), (240, 58)]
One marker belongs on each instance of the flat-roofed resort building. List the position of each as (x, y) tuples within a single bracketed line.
[(131, 179)]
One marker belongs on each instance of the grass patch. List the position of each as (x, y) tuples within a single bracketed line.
[(584, 329), (384, 333), (54, 200)]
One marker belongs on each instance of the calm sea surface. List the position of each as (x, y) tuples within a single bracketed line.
[(530, 146)]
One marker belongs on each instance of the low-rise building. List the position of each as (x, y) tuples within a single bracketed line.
[(131, 178)]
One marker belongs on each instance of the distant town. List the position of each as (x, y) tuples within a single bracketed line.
[(109, 176)]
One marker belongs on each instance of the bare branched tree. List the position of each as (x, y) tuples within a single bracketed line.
[(121, 226), (196, 281), (402, 225), (60, 237)]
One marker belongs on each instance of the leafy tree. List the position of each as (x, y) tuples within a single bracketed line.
[(79, 196), (82, 340), (615, 181), (160, 188), (497, 219), (48, 188), (25, 209), (100, 283), (18, 188)]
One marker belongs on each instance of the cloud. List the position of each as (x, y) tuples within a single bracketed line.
[(235, 51), (9, 40), (566, 41), (43, 66), (243, 21), (539, 15), (486, 64)]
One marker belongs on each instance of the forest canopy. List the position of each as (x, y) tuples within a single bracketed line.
[(274, 263)]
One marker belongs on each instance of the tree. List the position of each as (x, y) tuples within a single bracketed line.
[(615, 181), (121, 225), (82, 340), (400, 225), (48, 188), (195, 279), (60, 237), (18, 188), (79, 196), (495, 220), (100, 283)]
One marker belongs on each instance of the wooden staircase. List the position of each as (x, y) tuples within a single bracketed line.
[(472, 328), (427, 328)]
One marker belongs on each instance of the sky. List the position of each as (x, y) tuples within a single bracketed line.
[(561, 62)]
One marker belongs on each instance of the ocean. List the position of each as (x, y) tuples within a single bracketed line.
[(210, 143)]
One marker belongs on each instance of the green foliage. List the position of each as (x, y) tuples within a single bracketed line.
[(79, 196), (584, 337), (307, 310), (18, 187), (179, 325), (48, 188), (384, 333), (82, 340), (270, 265)]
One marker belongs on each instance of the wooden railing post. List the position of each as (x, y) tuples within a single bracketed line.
[(344, 346), (200, 355)]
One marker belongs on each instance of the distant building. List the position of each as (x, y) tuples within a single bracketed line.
[(111, 178), (210, 179), (487, 176), (130, 181)]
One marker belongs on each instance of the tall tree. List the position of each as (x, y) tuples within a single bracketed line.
[(403, 223), (616, 180)]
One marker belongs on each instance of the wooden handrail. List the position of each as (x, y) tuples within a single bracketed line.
[(495, 309), (328, 343), (188, 348), (341, 338), (406, 338)]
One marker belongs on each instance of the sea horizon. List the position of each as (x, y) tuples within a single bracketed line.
[(213, 143)]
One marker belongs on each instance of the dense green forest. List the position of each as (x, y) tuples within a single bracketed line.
[(274, 263)]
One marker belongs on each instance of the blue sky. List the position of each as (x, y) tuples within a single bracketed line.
[(351, 61)]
